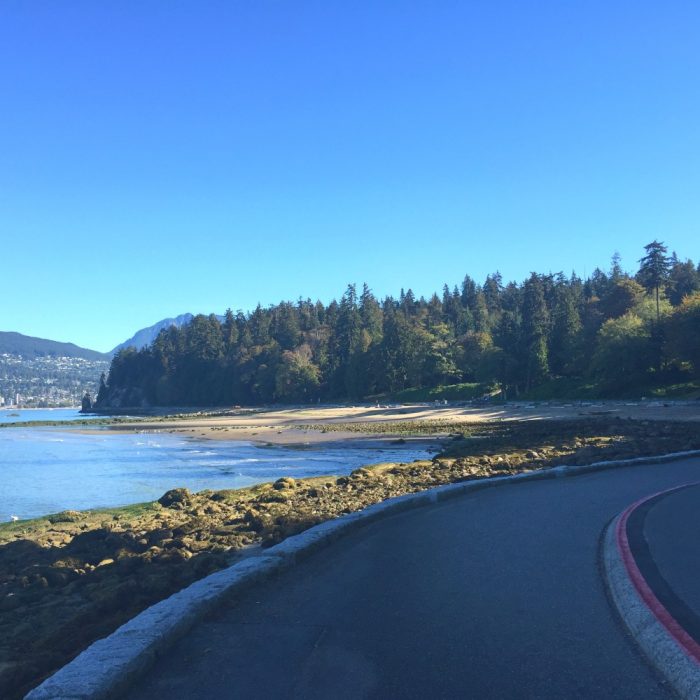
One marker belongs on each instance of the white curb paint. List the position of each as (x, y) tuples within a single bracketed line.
[(664, 652), (110, 665)]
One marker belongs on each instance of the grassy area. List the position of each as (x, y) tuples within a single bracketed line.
[(90, 518), (450, 392), (563, 388), (558, 389), (684, 390)]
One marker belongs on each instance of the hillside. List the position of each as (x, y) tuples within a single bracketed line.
[(46, 372), (17, 344)]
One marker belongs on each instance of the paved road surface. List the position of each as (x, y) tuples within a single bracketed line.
[(672, 529), (492, 595)]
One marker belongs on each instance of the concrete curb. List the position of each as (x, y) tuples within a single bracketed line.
[(661, 647), (110, 665)]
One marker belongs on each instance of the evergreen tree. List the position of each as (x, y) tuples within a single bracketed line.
[(347, 343), (514, 335), (535, 326), (480, 312), (565, 340), (683, 280), (468, 296), (616, 273), (245, 337), (654, 269), (596, 285), (285, 326), (230, 332), (493, 288), (620, 297), (370, 314)]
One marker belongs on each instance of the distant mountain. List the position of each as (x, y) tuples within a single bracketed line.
[(146, 336), (17, 344)]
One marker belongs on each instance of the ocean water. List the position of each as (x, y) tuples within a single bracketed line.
[(24, 415), (45, 470)]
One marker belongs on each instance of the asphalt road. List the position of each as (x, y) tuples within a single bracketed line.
[(671, 529), (492, 595)]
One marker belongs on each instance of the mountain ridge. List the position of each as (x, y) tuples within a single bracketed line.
[(145, 336), (13, 343)]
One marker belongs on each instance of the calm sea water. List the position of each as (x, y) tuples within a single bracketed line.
[(44, 470), (24, 415)]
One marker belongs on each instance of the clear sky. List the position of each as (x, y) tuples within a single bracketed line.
[(164, 157)]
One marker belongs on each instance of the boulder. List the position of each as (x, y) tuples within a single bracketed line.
[(285, 482), (66, 516), (176, 498)]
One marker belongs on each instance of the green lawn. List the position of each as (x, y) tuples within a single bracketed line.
[(450, 392), (559, 388), (575, 388)]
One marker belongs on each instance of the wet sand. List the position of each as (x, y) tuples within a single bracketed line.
[(288, 425)]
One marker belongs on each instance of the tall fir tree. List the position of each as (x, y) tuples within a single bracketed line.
[(535, 328), (653, 269)]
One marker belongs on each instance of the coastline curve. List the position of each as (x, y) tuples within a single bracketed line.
[(110, 665)]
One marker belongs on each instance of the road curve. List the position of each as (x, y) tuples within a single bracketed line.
[(495, 594)]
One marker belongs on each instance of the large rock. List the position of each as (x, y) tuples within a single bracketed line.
[(284, 483), (176, 498), (66, 516)]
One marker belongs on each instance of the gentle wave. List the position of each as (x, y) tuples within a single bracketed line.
[(43, 472)]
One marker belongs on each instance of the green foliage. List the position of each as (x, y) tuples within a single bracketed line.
[(683, 280), (561, 334), (565, 339), (621, 296), (683, 333), (624, 352), (465, 391), (297, 378), (534, 336), (565, 388), (654, 269)]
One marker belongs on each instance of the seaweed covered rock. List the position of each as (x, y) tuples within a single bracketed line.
[(176, 498), (284, 483)]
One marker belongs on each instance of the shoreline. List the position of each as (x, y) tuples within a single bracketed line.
[(166, 460), (268, 435), (78, 575), (266, 425)]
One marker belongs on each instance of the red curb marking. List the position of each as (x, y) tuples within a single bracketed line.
[(673, 627)]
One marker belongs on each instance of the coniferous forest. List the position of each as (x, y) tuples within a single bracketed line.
[(612, 334)]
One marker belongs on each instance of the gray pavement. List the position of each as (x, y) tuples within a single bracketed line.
[(672, 530), (495, 594)]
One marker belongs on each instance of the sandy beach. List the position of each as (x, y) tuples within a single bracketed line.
[(290, 425)]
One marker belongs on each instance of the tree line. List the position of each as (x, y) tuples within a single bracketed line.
[(614, 328)]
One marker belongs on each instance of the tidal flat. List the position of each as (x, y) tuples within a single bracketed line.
[(73, 577)]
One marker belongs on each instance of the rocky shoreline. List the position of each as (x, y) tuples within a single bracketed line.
[(73, 577)]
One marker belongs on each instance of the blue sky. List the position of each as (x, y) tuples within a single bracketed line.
[(164, 157)]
